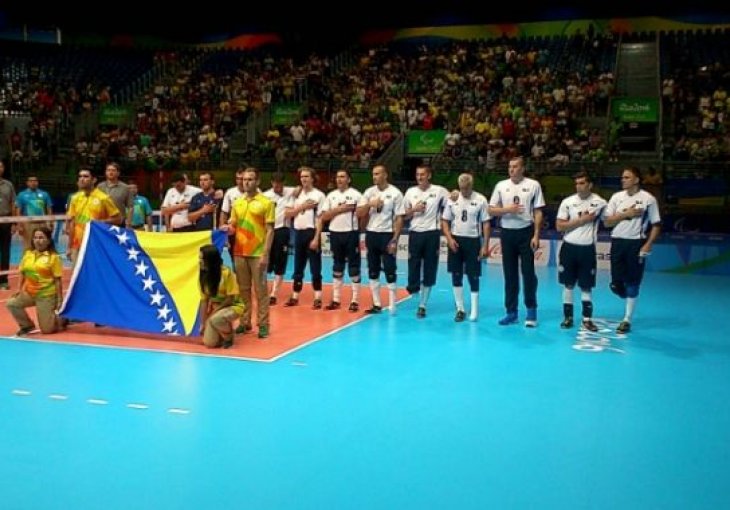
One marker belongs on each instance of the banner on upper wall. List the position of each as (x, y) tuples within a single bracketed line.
[(635, 109), (115, 115), (426, 142), (286, 114)]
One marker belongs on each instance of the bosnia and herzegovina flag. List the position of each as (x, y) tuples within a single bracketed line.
[(143, 281)]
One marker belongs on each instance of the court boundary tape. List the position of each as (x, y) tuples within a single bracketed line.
[(41, 340)]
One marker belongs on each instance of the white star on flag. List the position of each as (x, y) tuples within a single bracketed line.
[(157, 300), (169, 325), (132, 253), (163, 312), (141, 268), (148, 283), (122, 238)]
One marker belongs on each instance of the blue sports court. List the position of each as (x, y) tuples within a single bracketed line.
[(392, 412)]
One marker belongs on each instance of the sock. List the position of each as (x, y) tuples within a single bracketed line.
[(336, 289), (568, 310), (275, 286), (295, 295), (318, 294), (630, 305), (459, 297), (375, 291), (567, 302), (474, 306), (391, 296), (425, 292), (586, 301), (355, 292)]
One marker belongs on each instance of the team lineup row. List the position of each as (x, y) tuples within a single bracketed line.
[(261, 225)]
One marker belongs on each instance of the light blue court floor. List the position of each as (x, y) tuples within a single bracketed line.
[(392, 413)]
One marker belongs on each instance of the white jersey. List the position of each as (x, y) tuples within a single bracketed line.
[(345, 222), (231, 195), (467, 215), (307, 219), (381, 220), (527, 193), (635, 228), (280, 202), (435, 198), (573, 207), (180, 219)]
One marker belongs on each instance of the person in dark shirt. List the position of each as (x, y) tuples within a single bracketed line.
[(204, 206)]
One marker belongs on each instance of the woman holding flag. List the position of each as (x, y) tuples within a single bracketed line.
[(220, 300)]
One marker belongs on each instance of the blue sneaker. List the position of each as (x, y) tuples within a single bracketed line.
[(510, 318), (531, 320)]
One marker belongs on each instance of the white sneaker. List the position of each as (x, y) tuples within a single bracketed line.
[(531, 320)]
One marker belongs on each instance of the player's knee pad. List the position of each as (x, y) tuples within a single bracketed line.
[(297, 286), (337, 274), (632, 291), (373, 275), (473, 283), (457, 279), (354, 274), (390, 277), (619, 289)]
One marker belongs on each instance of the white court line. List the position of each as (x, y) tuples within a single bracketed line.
[(124, 348), (204, 355), (102, 402)]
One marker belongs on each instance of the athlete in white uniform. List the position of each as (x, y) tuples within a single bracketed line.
[(280, 195), (340, 210), (423, 205), (304, 211), (382, 205), (465, 223), (578, 218), (629, 213), (519, 202)]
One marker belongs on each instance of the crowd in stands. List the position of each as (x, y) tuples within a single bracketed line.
[(51, 83), (495, 99), (187, 120), (696, 78)]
